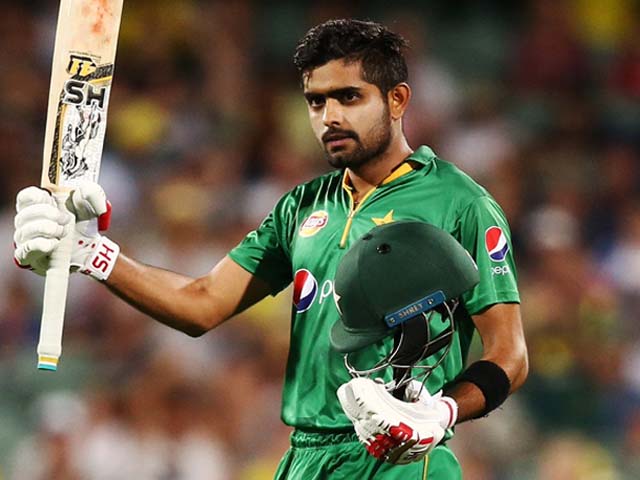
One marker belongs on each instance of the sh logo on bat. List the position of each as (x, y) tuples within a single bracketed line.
[(78, 90)]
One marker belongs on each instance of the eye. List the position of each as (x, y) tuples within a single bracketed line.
[(350, 97), (315, 101)]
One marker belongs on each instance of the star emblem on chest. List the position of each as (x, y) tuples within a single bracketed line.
[(388, 218)]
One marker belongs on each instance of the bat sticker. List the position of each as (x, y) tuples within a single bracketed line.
[(81, 122)]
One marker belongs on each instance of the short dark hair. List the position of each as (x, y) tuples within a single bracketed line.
[(379, 50)]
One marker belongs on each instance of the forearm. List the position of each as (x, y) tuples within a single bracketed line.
[(176, 300), (504, 347), (470, 399)]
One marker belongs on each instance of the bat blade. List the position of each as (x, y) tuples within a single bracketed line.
[(81, 76)]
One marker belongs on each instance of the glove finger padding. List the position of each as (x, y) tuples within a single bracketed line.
[(39, 225), (412, 443), (33, 196), (34, 254), (349, 403), (38, 229), (398, 446), (41, 211), (87, 202), (366, 431)]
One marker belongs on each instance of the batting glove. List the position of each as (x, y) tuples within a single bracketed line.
[(445, 406), (393, 430), (39, 225)]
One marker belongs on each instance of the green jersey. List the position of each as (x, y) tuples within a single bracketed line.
[(304, 237)]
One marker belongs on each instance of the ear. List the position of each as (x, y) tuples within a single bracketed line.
[(398, 99)]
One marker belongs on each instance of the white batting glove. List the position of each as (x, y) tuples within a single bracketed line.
[(390, 429), (446, 406), (39, 225)]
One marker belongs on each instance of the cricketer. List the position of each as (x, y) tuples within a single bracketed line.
[(355, 81)]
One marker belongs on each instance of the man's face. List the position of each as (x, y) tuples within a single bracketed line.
[(349, 116)]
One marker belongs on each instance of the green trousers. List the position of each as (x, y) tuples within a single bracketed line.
[(338, 456)]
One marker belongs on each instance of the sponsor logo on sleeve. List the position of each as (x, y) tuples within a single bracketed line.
[(314, 223), (496, 244), (500, 270)]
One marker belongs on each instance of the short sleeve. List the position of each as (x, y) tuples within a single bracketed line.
[(483, 230), (263, 252)]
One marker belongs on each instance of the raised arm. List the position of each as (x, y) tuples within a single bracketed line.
[(193, 306)]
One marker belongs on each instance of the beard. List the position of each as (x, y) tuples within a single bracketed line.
[(377, 142)]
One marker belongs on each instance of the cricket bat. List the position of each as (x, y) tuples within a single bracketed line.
[(81, 74)]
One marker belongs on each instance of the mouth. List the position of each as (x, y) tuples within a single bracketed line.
[(336, 140)]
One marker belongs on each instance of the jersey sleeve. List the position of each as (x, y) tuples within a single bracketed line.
[(264, 252), (484, 232)]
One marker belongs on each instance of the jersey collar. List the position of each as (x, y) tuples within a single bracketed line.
[(398, 172), (423, 155)]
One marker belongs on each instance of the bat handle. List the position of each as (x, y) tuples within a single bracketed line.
[(55, 297)]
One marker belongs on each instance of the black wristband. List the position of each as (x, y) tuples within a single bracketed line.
[(492, 381)]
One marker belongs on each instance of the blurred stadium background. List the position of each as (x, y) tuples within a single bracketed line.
[(539, 101)]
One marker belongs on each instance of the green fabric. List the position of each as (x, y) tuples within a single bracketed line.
[(302, 234), (314, 456)]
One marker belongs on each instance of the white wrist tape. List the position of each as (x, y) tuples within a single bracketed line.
[(102, 260)]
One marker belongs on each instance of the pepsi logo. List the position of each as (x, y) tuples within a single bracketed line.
[(305, 289), (496, 244), (314, 223)]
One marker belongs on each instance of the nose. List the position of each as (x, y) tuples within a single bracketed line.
[(332, 115)]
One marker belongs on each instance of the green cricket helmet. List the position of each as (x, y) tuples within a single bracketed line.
[(391, 282)]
